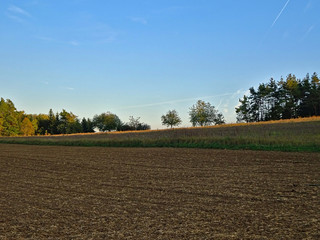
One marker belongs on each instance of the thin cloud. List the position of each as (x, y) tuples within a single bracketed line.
[(15, 18), (218, 106), (181, 100), (280, 13), (109, 39), (74, 43), (68, 88), (17, 10), (139, 20), (307, 32), (96, 32), (88, 32), (49, 39), (53, 40), (34, 2), (173, 9), (239, 91), (308, 6)]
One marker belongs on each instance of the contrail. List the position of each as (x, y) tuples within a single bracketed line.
[(307, 32), (284, 7), (274, 22)]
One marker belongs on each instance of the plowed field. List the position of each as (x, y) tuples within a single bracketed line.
[(49, 192)]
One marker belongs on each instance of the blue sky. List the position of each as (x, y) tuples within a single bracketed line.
[(143, 58)]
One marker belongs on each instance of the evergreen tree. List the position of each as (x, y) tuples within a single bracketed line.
[(43, 124), (315, 94), (67, 123), (90, 126), (84, 125), (52, 128), (290, 98)]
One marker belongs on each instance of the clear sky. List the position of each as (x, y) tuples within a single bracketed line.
[(143, 58)]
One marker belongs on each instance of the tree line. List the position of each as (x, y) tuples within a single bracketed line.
[(283, 99), (15, 123)]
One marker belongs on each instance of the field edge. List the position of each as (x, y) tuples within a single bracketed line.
[(203, 143)]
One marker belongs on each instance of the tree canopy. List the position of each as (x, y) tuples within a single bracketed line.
[(134, 124), (13, 122), (283, 99), (27, 129), (106, 121), (171, 118), (204, 114), (9, 116)]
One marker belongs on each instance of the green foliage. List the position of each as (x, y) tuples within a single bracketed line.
[(53, 122), (219, 119), (143, 126), (106, 121), (204, 114), (68, 123), (244, 112), (134, 124), (13, 122), (285, 99), (43, 124), (9, 118), (27, 128), (87, 125), (171, 119)]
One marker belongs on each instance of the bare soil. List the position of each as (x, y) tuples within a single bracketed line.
[(50, 192)]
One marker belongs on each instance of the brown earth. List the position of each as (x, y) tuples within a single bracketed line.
[(51, 192)]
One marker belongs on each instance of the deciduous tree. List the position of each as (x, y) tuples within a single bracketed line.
[(106, 121), (26, 127), (171, 118), (204, 114), (9, 118)]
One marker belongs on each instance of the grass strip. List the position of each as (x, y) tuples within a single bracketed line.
[(208, 143)]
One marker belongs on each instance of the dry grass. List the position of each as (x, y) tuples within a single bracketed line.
[(301, 134), (284, 121)]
